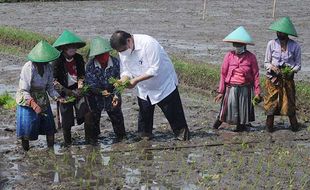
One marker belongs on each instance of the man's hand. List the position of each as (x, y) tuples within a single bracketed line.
[(218, 98)]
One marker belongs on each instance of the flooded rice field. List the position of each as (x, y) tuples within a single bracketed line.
[(212, 159)]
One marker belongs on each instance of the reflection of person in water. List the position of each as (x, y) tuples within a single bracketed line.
[(239, 82), (282, 61), (34, 115), (147, 65)]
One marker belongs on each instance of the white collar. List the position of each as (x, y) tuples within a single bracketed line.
[(69, 60), (110, 63)]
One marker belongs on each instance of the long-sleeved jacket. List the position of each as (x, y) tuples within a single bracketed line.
[(61, 74), (246, 63)]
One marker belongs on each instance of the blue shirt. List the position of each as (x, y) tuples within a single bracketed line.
[(97, 78)]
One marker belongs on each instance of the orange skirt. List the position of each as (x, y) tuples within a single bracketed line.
[(280, 99)]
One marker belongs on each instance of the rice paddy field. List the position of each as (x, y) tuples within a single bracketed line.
[(212, 159)]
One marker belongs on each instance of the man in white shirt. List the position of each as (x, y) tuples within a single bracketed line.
[(147, 65)]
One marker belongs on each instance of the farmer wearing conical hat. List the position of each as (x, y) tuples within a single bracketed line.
[(100, 68), (282, 61), (34, 115), (239, 82), (69, 74)]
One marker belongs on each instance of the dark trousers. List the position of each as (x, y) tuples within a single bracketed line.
[(67, 117), (172, 109), (117, 120)]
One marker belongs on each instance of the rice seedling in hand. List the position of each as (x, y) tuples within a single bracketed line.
[(70, 99), (256, 100), (119, 86)]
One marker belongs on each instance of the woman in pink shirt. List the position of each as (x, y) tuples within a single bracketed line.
[(239, 83)]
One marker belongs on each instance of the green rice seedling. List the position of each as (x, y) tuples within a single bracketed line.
[(119, 86), (259, 166), (81, 183), (85, 90), (256, 100), (304, 181), (286, 70), (70, 99)]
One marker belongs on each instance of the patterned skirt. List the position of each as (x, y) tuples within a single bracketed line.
[(30, 125), (237, 107), (280, 99)]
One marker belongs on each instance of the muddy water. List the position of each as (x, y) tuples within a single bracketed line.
[(212, 159)]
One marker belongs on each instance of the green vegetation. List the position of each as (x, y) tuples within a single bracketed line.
[(7, 102), (119, 86), (286, 70), (204, 76), (18, 39)]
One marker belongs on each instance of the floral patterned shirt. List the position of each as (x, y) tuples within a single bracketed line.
[(97, 78)]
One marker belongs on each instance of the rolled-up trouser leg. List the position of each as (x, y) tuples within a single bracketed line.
[(117, 120), (173, 110)]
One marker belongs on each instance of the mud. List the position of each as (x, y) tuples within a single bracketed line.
[(178, 25), (212, 159), (215, 159)]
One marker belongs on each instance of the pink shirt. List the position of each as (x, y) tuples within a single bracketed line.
[(239, 69)]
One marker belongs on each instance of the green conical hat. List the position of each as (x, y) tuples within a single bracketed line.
[(68, 37), (43, 52), (284, 25), (240, 35), (99, 46)]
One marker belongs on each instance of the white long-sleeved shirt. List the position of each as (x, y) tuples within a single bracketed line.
[(150, 58)]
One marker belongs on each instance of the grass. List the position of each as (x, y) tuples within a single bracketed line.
[(21, 38), (204, 76), (7, 102)]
